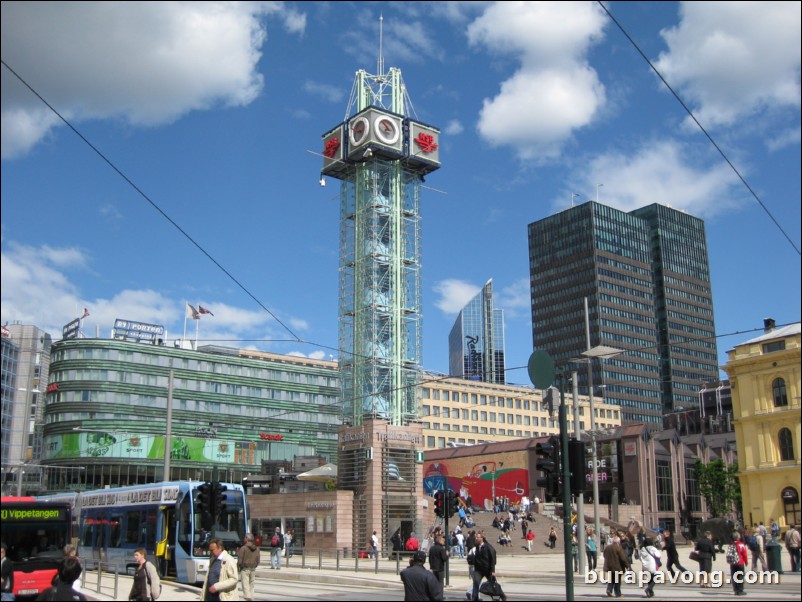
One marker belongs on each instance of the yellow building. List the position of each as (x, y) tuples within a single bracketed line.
[(457, 411), (765, 378)]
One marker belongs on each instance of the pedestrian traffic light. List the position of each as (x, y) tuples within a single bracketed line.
[(219, 497), (204, 500), (549, 464), (439, 503), (453, 503), (576, 464)]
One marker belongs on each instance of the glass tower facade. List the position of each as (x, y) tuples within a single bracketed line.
[(645, 275), (476, 341)]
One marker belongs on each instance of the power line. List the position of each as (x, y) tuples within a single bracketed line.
[(149, 200), (701, 127)]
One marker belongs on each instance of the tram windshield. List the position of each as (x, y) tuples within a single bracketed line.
[(197, 529)]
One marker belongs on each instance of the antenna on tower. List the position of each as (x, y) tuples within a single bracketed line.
[(381, 57)]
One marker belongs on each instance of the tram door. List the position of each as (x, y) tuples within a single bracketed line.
[(165, 544)]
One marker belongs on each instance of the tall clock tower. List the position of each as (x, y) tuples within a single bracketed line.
[(381, 155)]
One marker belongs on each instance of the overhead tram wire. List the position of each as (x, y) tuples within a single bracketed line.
[(295, 339), (152, 203), (701, 127)]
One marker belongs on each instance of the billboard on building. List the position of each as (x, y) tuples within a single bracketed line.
[(139, 332)]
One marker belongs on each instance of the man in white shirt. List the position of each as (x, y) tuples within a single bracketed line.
[(374, 544)]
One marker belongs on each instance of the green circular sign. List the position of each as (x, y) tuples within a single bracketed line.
[(541, 369)]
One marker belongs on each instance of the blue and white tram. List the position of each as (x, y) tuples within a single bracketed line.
[(165, 519)]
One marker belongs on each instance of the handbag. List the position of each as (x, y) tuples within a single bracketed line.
[(694, 555), (492, 588)]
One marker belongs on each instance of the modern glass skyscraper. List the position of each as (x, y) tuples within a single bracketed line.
[(647, 280), (476, 341)]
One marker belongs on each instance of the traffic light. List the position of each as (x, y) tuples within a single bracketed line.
[(204, 500), (453, 503), (576, 464), (549, 464), (439, 503), (219, 497)]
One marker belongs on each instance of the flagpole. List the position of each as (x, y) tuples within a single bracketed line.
[(197, 329)]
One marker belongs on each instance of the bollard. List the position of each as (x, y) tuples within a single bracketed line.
[(338, 559), (320, 559), (774, 557)]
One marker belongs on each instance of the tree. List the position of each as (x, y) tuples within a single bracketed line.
[(719, 486)]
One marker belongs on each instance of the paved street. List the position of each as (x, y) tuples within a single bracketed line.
[(523, 577)]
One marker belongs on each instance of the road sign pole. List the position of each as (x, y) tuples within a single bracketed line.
[(569, 564)]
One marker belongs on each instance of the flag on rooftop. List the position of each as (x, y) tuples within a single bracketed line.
[(192, 312), (86, 313), (203, 310)]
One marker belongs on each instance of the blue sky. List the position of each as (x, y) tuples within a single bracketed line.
[(212, 109)]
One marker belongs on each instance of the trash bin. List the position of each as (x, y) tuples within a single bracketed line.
[(774, 557)]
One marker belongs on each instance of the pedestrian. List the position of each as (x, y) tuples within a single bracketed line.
[(374, 545), (461, 544), (552, 538), (68, 572), (221, 579), (248, 558), (575, 552), (775, 529), (6, 574), (530, 537), (289, 543), (146, 585), (276, 547), (672, 556), (650, 563), (737, 568), (707, 554), (756, 543), (438, 557), (615, 563), (412, 544), (484, 565), (792, 540), (590, 549), (420, 584), (397, 542)]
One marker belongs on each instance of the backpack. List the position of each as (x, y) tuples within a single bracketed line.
[(153, 580), (732, 555), (751, 543), (274, 541)]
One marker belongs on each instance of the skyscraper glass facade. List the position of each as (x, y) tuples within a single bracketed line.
[(637, 271), (476, 341)]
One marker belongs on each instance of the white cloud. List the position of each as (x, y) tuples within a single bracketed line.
[(326, 91), (148, 63), (734, 59), (453, 295), (554, 92), (453, 128), (514, 298), (662, 172)]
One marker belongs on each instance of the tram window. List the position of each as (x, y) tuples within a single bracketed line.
[(87, 537), (116, 531), (149, 538), (132, 520)]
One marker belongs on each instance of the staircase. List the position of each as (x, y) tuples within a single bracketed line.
[(543, 523)]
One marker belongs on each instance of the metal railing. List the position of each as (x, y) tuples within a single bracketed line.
[(101, 576), (342, 559)]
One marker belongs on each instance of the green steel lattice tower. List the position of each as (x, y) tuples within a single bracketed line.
[(380, 155)]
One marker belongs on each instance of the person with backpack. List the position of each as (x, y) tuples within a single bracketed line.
[(650, 562), (276, 547), (147, 585), (737, 558), (757, 546)]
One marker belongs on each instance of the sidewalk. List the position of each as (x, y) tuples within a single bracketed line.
[(517, 573)]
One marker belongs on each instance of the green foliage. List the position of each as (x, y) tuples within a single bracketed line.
[(719, 486)]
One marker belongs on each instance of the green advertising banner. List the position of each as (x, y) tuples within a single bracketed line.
[(133, 446)]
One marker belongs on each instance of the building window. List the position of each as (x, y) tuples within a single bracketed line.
[(693, 500), (774, 346), (665, 489), (790, 498), (786, 445), (779, 393)]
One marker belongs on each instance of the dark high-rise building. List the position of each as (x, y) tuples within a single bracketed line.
[(476, 341), (646, 277)]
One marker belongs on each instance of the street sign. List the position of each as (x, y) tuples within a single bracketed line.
[(541, 369)]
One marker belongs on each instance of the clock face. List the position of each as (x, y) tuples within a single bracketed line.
[(387, 129), (358, 131)]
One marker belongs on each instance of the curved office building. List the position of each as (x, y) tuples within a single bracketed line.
[(107, 412)]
